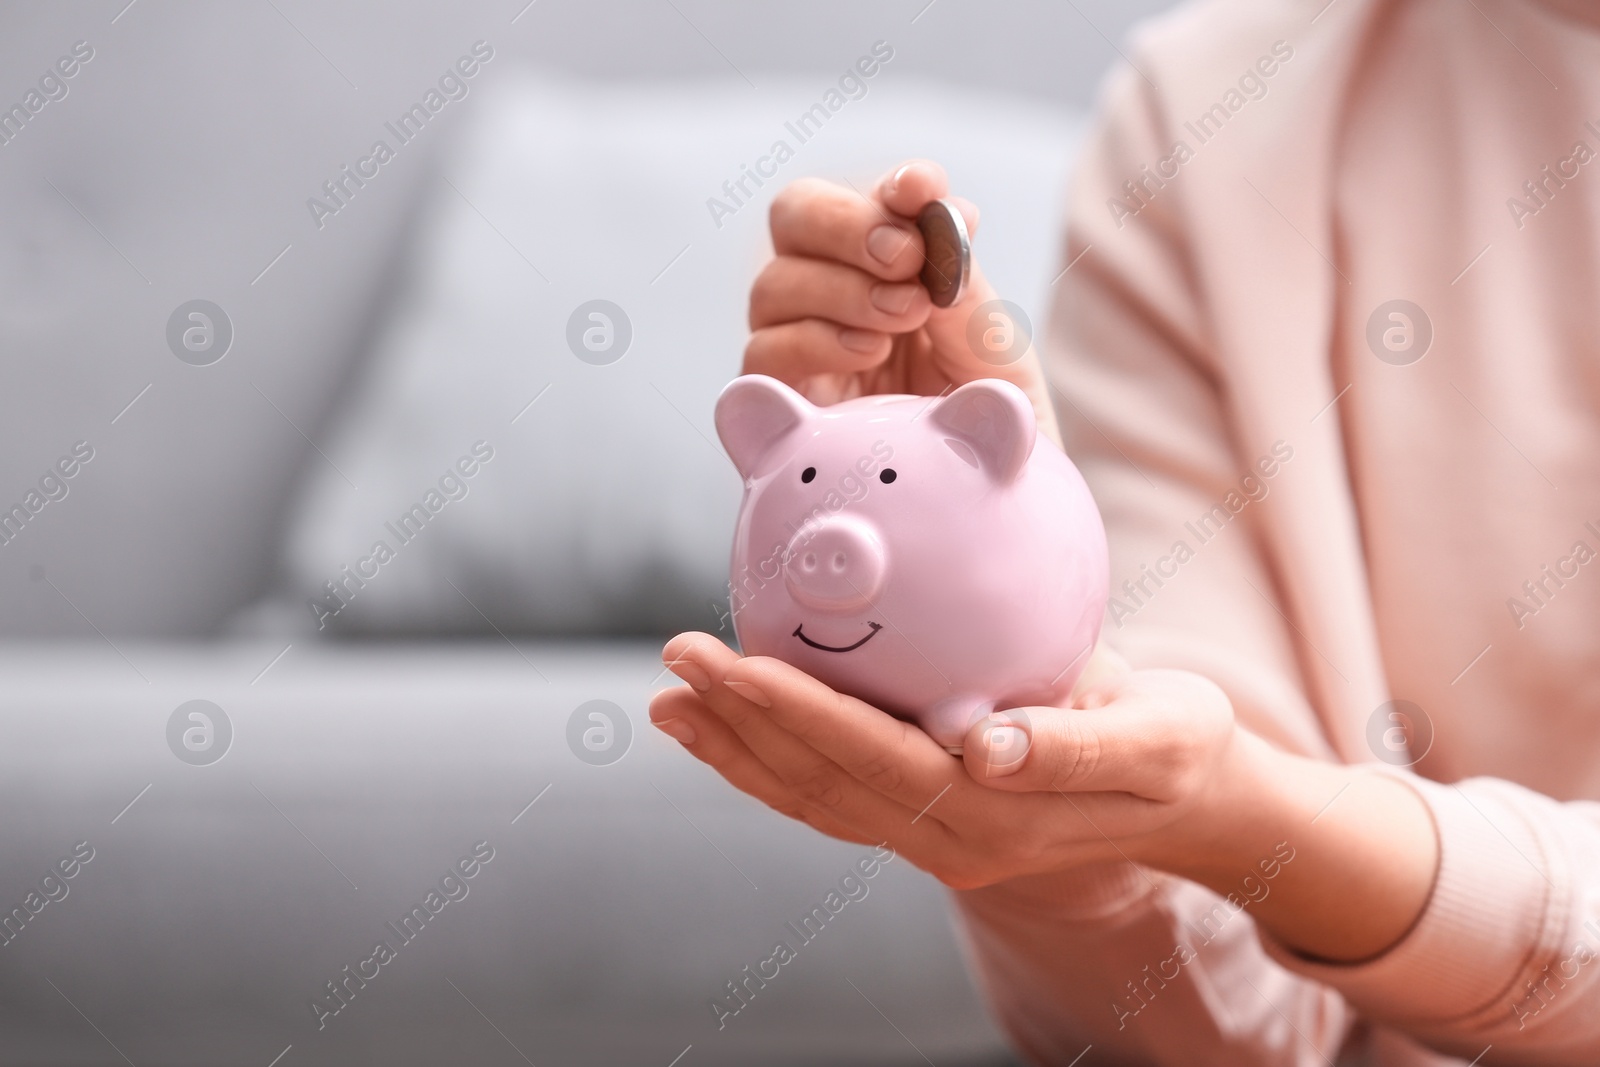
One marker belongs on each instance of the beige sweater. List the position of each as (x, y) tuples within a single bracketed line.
[(1262, 187)]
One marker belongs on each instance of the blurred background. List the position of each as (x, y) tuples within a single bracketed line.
[(284, 282)]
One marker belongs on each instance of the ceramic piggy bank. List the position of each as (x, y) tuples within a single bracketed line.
[(931, 556)]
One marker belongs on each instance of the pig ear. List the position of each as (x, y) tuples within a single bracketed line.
[(753, 413), (994, 421)]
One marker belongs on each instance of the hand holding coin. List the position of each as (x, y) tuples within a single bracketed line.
[(878, 291)]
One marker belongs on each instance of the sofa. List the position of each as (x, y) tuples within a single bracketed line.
[(272, 799)]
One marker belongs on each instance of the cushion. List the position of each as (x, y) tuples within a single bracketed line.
[(522, 458)]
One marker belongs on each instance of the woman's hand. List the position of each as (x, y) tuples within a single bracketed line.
[(839, 313), (1145, 766), (1038, 789)]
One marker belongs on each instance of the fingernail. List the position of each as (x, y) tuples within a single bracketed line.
[(894, 180), (892, 299), (863, 341), (690, 671), (678, 730), (884, 243), (750, 693), (1004, 746)]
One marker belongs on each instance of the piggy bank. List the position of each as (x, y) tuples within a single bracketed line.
[(931, 556)]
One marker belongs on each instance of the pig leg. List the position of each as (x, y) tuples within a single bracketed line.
[(948, 721)]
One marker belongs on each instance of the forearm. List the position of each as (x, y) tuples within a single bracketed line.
[(1102, 954), (1466, 914), (1147, 968), (1364, 847)]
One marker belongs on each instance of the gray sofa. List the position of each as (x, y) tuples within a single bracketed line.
[(215, 909), (235, 863)]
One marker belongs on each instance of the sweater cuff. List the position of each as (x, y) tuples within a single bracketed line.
[(1483, 921)]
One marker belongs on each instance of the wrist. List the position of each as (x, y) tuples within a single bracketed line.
[(1335, 861), (1237, 819)]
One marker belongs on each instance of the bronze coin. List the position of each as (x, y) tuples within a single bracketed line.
[(947, 252)]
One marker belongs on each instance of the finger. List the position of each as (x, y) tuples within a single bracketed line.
[(892, 757), (965, 334), (795, 351), (1106, 667), (812, 777), (815, 218), (907, 189), (799, 287), (681, 714), (979, 336), (999, 347), (1159, 731)]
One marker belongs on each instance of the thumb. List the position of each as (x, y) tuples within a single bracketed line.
[(984, 336), (981, 335), (1147, 739), (1035, 750)]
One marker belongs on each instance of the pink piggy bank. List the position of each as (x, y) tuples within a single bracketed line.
[(931, 556)]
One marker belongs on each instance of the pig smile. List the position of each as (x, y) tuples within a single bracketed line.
[(847, 648)]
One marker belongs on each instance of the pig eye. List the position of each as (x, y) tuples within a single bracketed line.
[(887, 475), (808, 474)]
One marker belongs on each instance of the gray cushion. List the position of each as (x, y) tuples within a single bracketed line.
[(608, 506)]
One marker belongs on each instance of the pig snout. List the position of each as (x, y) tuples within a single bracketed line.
[(836, 564)]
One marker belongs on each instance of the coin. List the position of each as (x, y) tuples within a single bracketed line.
[(947, 256)]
